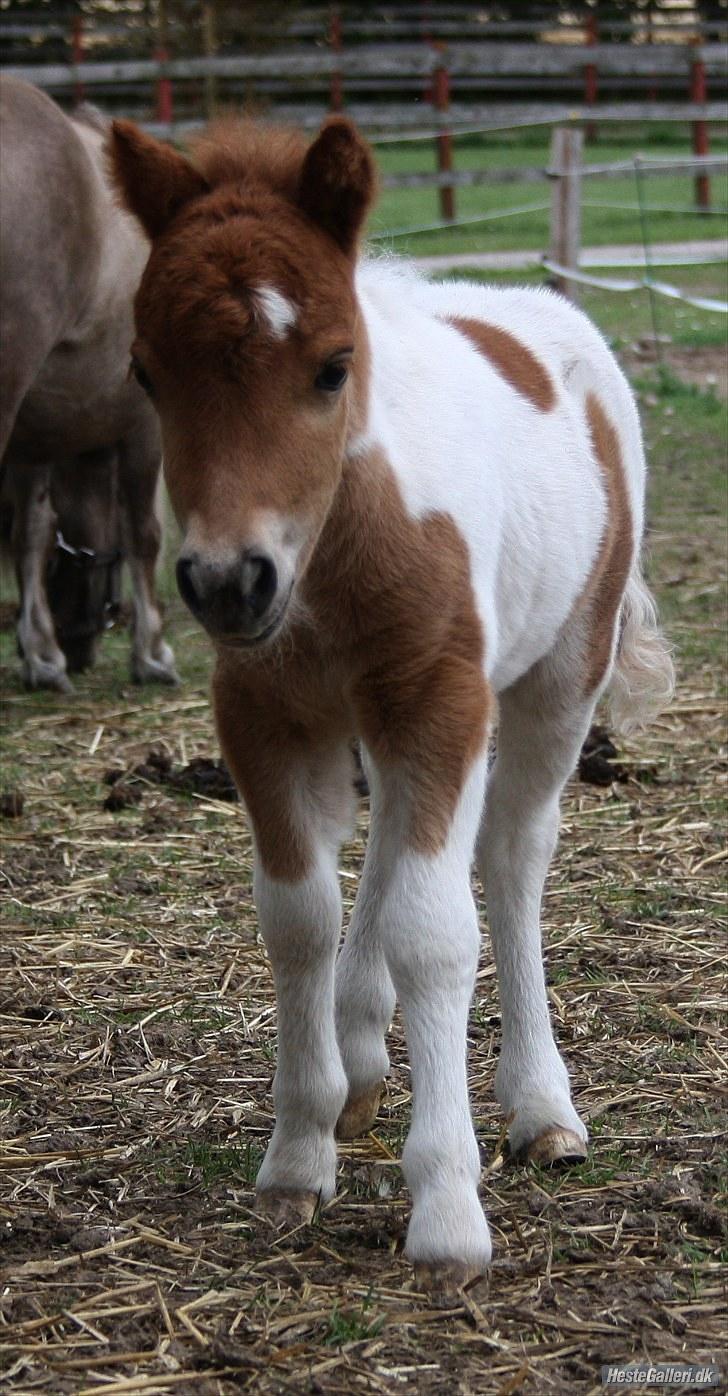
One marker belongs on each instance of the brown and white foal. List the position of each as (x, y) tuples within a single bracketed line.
[(399, 501)]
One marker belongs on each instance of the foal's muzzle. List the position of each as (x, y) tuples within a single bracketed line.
[(238, 603)]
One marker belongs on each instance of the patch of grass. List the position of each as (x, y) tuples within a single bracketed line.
[(353, 1325), (610, 212), (217, 1162)]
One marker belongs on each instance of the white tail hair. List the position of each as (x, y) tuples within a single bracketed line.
[(643, 680)]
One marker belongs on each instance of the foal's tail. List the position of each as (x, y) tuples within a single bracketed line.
[(643, 680)]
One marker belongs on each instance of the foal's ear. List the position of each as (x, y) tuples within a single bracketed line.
[(338, 181), (154, 180)]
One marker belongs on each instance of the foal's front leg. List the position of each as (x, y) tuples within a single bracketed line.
[(417, 901), (300, 797)]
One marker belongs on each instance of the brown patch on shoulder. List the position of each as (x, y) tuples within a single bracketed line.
[(512, 359), (405, 596), (608, 578)]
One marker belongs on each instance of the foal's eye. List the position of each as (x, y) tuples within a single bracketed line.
[(332, 376), (142, 377)]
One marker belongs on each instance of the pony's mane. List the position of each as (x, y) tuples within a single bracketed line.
[(231, 150)]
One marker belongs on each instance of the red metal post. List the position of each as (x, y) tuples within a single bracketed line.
[(591, 84), (336, 40), (701, 146), (77, 58), (164, 88), (441, 92)]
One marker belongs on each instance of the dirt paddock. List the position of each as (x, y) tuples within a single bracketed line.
[(138, 1032)]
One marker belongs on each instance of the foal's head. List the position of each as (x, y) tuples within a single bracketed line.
[(248, 343)]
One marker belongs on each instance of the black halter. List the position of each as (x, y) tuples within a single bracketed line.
[(87, 560)]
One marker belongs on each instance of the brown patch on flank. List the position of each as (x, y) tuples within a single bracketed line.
[(512, 359), (608, 578)]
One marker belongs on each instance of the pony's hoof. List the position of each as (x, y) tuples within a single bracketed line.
[(359, 1113), (285, 1210), (44, 674), (155, 668), (556, 1146), (151, 672), (445, 1278)]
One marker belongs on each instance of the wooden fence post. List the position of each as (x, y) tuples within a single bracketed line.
[(336, 40), (565, 170), (77, 58), (209, 43), (441, 95), (701, 146), (164, 84), (426, 36), (591, 84)]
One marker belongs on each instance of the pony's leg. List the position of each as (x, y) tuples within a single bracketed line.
[(543, 722), (299, 793), (44, 663), (422, 906), (139, 464), (365, 1001)]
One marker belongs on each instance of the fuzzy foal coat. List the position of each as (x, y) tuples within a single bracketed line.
[(456, 525)]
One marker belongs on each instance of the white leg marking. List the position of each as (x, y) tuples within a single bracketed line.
[(429, 931), (538, 745), (365, 997), (300, 923)]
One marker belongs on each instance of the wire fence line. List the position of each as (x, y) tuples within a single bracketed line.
[(569, 173)]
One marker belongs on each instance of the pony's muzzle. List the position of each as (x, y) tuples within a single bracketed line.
[(236, 602)]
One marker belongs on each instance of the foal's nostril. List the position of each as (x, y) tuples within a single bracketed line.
[(259, 582), (185, 584)]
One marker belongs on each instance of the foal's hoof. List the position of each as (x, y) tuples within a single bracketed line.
[(148, 669), (555, 1147), (359, 1113), (285, 1210), (445, 1278)]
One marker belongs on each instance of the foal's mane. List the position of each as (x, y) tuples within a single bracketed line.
[(231, 151)]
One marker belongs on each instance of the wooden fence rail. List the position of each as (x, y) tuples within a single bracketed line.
[(399, 60), (537, 174)]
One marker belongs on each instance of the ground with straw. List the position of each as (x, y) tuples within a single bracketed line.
[(138, 1041)]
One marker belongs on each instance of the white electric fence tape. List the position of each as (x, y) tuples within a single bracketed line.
[(644, 283)]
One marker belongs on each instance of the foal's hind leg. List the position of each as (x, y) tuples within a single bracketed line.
[(543, 722), (139, 463), (44, 663), (365, 1001)]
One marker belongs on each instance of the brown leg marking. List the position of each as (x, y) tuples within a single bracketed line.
[(359, 1114)]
